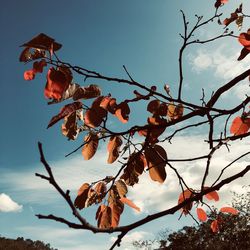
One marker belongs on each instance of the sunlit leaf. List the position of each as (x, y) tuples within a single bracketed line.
[(91, 144), (113, 148), (201, 214), (229, 210)]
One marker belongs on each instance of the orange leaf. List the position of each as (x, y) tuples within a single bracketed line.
[(82, 196), (129, 203), (212, 195), (184, 196), (240, 126), (122, 112), (230, 210), (57, 83), (113, 148), (117, 209), (214, 226), (29, 75), (89, 149), (202, 216), (105, 217)]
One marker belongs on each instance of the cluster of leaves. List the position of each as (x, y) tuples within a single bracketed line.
[(234, 231), (111, 193)]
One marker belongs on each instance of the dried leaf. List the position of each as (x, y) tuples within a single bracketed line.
[(156, 157), (29, 75), (244, 52), (122, 112), (80, 201), (43, 42), (105, 218), (201, 214), (65, 111), (90, 148), (69, 126), (88, 92), (153, 106), (121, 188), (39, 65), (117, 209), (113, 148), (101, 188), (230, 210), (130, 203), (175, 111)]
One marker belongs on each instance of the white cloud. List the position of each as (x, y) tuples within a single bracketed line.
[(8, 205), (223, 62)]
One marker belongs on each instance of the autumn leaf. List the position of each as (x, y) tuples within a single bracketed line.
[(29, 75), (87, 92), (105, 217), (214, 226), (42, 41), (201, 214), (91, 144), (229, 210), (116, 210), (175, 111), (65, 111), (113, 148), (82, 196), (57, 83), (153, 106), (122, 112), (240, 126), (69, 126), (156, 157), (184, 196), (129, 203), (121, 188), (100, 188), (39, 65), (212, 195), (218, 3)]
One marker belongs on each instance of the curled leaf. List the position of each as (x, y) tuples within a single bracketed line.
[(88, 92), (122, 112), (121, 188), (82, 196)]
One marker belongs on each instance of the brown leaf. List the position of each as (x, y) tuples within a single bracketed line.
[(156, 157), (105, 218), (43, 42), (153, 106), (121, 188), (65, 111), (175, 111), (88, 92), (82, 196), (113, 148), (90, 148), (130, 203), (116, 209), (122, 112), (69, 126), (100, 188), (99, 212)]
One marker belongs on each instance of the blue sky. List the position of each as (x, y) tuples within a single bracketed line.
[(103, 36)]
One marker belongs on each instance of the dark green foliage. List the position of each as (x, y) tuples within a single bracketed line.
[(21, 244)]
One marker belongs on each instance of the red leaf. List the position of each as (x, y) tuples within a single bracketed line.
[(66, 110), (29, 75), (214, 226), (38, 66), (57, 83), (202, 216), (244, 39), (212, 195), (230, 210), (130, 203), (184, 196), (240, 126)]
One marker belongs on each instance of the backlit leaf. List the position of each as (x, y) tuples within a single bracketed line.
[(183, 196), (240, 126), (116, 209), (201, 214), (121, 188), (212, 195), (214, 226), (113, 148), (130, 203), (90, 148), (80, 201), (229, 210)]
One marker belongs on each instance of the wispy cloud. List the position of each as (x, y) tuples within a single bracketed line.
[(8, 205)]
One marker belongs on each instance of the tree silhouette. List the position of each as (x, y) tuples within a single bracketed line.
[(138, 148)]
